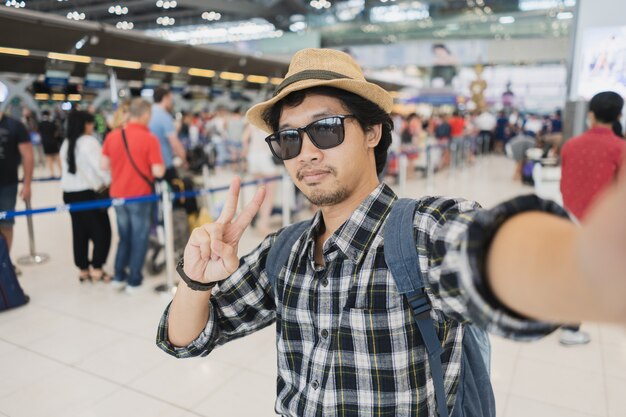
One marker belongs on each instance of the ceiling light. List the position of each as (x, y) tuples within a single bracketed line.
[(297, 26), (166, 21), (69, 57), (320, 4), (276, 80), (109, 62), (76, 15), (42, 96), (81, 42), (211, 16), (565, 15), (197, 72), (399, 13), (221, 33), (125, 25), (58, 97), (530, 5), (506, 20), (257, 79), (15, 3), (74, 97), (165, 68), (14, 51), (231, 76), (167, 4)]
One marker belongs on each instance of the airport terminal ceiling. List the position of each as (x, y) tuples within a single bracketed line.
[(257, 37), (341, 22)]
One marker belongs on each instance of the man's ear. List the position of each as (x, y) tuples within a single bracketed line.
[(373, 135)]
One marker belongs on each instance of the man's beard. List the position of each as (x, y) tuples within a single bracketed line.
[(325, 197)]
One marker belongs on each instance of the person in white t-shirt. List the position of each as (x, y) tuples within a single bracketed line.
[(533, 126), (260, 165), (485, 123), (80, 179)]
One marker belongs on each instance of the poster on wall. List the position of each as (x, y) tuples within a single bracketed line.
[(604, 61)]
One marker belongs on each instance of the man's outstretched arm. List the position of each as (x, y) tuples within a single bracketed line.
[(545, 267)]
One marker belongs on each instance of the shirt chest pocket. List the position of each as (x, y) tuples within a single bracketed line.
[(374, 349)]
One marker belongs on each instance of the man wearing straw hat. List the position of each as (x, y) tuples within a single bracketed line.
[(347, 341)]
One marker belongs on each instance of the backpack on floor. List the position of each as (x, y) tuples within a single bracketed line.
[(475, 396), (11, 294)]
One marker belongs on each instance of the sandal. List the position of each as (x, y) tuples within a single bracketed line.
[(84, 276), (103, 276)]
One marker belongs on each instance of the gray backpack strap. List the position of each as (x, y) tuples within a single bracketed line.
[(281, 249), (403, 262)]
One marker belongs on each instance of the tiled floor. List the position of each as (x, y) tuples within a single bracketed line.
[(88, 351)]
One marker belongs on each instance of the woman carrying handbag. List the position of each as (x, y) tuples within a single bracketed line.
[(84, 180)]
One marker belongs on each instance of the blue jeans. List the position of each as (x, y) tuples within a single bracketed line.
[(133, 227)]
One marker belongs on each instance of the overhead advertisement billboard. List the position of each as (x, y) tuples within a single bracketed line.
[(604, 61)]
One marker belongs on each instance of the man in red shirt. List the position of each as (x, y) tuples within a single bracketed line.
[(590, 163), (133, 155)]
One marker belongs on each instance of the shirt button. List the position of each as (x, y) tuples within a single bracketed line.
[(324, 333), (324, 282), (315, 385)]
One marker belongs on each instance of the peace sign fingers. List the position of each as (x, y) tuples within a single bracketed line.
[(245, 217), (230, 205)]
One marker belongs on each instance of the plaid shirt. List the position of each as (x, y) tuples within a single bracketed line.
[(347, 341)]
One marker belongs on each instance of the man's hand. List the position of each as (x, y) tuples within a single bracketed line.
[(211, 253), (25, 192), (602, 247)]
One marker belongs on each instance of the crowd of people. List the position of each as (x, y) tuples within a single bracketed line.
[(123, 153)]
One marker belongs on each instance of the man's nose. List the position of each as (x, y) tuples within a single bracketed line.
[(309, 151)]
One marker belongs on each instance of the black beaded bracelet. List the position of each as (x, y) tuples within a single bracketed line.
[(194, 285)]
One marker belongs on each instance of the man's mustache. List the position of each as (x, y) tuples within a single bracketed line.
[(311, 169)]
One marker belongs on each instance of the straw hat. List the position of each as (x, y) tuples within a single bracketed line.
[(321, 67)]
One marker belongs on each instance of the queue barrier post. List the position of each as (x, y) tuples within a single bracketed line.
[(33, 258), (168, 225), (486, 144), (207, 183), (430, 167), (403, 166)]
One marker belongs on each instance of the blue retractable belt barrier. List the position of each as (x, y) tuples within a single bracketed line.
[(116, 202), (46, 179)]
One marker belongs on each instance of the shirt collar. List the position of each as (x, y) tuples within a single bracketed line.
[(354, 237), (136, 126), (596, 130)]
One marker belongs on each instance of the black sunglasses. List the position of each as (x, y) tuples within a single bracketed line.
[(325, 133)]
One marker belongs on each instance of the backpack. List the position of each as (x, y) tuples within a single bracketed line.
[(11, 294), (475, 396)]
